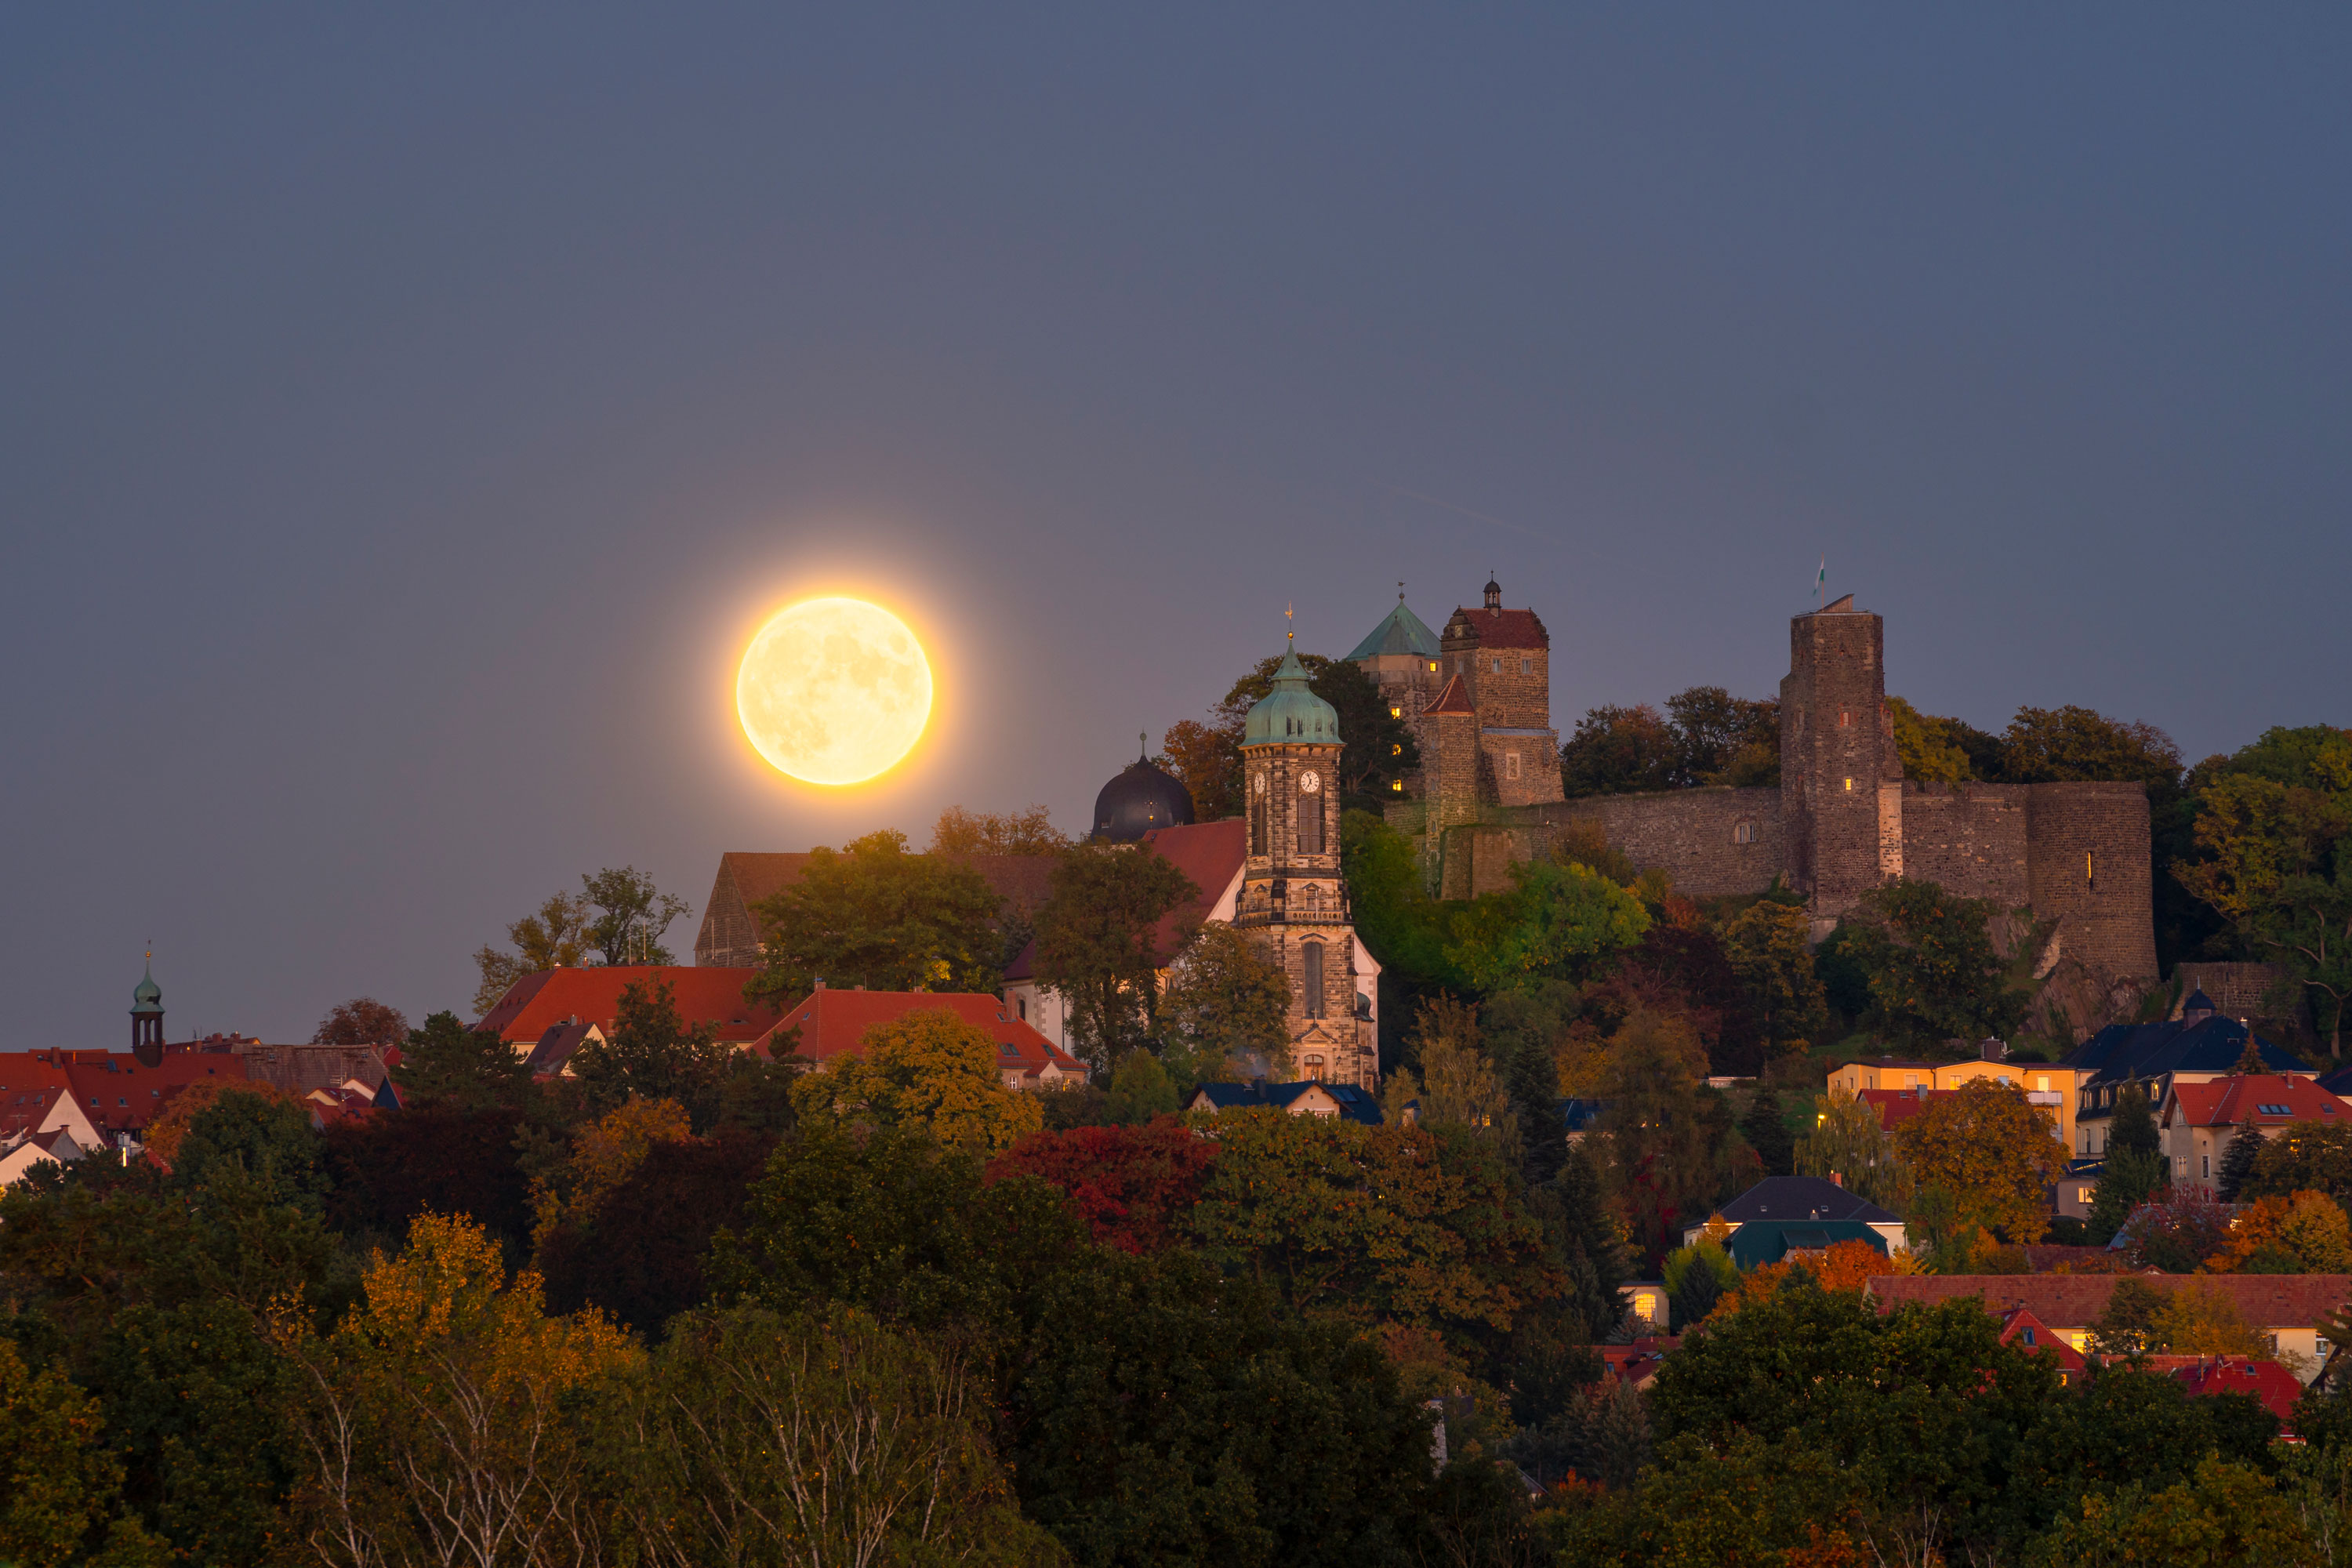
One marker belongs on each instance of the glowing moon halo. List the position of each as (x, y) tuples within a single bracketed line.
[(833, 691)]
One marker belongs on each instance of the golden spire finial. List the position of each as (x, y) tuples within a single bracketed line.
[(1291, 631)]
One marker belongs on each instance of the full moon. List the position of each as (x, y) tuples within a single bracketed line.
[(834, 691)]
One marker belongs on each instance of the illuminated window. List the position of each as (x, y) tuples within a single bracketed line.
[(1849, 785), (1396, 751), (1846, 718), (1396, 787), (1432, 667), (1396, 713)]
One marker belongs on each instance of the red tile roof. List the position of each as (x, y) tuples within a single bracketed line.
[(537, 1002), (2267, 1380), (834, 1023), (2020, 1326), (1896, 1106), (2076, 1300), (1496, 628), (1209, 853), (1455, 699), (116, 1090), (2267, 1100)]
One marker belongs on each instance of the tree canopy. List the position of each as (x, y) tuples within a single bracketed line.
[(872, 914)]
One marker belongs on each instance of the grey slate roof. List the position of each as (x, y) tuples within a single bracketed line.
[(1355, 1104), (2121, 1053), (1802, 1198)]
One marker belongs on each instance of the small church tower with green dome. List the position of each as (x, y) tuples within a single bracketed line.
[(1292, 900), (147, 1015)]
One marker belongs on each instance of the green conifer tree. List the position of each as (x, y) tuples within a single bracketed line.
[(1768, 1134), (2238, 1162)]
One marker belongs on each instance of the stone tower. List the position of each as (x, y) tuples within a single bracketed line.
[(1292, 898), (1841, 780)]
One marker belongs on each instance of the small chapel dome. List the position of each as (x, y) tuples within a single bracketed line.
[(1290, 714), (1140, 798)]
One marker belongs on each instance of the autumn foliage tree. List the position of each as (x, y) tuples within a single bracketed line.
[(929, 1070), (1134, 1187), (1990, 1150), (437, 1421)]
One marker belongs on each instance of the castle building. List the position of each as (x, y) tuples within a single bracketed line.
[(1842, 820)]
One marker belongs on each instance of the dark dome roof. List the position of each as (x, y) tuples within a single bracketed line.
[(1139, 799)]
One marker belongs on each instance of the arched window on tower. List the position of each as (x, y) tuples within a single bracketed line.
[(1311, 962)]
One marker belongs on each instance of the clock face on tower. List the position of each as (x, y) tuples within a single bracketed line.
[(1309, 783)]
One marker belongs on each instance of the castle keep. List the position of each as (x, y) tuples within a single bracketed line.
[(1843, 821)]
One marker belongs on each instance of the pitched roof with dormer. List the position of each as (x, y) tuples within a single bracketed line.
[(2125, 1052), (1347, 1100), (1483, 628), (2266, 1100), (1785, 1198)]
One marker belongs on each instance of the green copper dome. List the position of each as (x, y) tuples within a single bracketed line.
[(1291, 715), (149, 996)]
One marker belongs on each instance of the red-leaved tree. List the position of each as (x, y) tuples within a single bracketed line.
[(1132, 1184)]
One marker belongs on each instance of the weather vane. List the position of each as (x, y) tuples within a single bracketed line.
[(1288, 630)]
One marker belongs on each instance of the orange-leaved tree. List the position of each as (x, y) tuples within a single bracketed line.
[(435, 1422), (1992, 1150), (605, 1154), (2305, 1234), (1844, 1265)]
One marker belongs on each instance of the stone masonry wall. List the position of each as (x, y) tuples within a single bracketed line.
[(1518, 696), (2088, 868), (1692, 835), (1970, 838), (1834, 752)]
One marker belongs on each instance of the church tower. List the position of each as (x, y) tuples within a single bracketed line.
[(1293, 901), (147, 1017)]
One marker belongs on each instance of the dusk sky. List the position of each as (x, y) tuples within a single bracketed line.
[(409, 415)]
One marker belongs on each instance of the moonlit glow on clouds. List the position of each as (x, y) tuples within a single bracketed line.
[(833, 691)]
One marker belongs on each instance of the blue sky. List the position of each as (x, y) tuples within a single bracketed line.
[(404, 417)]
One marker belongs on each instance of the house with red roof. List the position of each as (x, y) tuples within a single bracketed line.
[(591, 994), (2282, 1307), (2198, 1120), (832, 1022), (106, 1099), (2021, 1328), (2267, 1380)]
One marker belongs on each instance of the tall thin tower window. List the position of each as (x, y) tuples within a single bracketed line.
[(1312, 955)]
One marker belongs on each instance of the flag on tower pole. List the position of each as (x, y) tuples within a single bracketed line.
[(1821, 579)]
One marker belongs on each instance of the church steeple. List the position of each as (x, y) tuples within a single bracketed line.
[(147, 1015)]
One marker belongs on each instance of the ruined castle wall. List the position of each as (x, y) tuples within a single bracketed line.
[(1713, 842), (1970, 838), (2087, 865)]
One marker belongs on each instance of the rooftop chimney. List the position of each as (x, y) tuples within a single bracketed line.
[(1837, 1179)]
